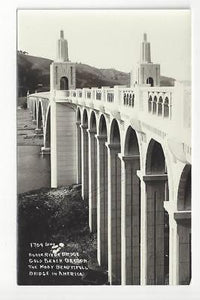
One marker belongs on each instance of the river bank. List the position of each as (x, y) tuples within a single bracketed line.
[(33, 169), (26, 135)]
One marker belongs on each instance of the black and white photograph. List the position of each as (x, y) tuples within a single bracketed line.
[(104, 145)]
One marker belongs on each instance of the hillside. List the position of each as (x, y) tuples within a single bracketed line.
[(33, 74)]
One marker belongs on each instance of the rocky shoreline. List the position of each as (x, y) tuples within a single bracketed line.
[(26, 134)]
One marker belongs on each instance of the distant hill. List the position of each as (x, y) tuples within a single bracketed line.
[(167, 81), (33, 74)]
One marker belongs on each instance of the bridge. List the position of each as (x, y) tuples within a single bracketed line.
[(130, 149)]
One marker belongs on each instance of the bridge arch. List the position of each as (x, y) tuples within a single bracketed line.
[(85, 158), (85, 118), (92, 172), (183, 220), (35, 111), (102, 128), (131, 209), (115, 134), (184, 189), (93, 122), (79, 145), (47, 129), (114, 204), (78, 115), (157, 217), (155, 158), (131, 146), (40, 118), (102, 193)]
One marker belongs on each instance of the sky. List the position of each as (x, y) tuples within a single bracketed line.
[(111, 38)]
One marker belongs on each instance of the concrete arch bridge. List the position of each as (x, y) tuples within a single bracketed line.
[(130, 149)]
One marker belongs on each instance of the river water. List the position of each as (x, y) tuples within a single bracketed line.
[(33, 169)]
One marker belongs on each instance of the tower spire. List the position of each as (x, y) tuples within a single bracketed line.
[(145, 56), (62, 34), (62, 48)]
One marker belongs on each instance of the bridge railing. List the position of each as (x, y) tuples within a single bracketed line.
[(165, 107), (155, 101), (127, 97)]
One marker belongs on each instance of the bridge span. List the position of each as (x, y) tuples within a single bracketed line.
[(130, 148)]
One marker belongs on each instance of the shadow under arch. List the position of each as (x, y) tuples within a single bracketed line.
[(131, 210), (115, 134), (155, 159), (102, 126), (131, 143), (35, 111), (93, 122), (184, 189), (40, 116), (85, 118), (78, 115), (47, 134), (85, 158), (92, 173), (102, 194), (114, 205), (156, 180), (183, 219), (79, 145)]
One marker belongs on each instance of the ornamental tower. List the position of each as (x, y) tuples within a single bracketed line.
[(62, 71), (62, 48), (146, 71)]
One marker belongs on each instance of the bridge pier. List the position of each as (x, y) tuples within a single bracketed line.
[(63, 144), (157, 227), (143, 233), (78, 152), (84, 160), (102, 201), (92, 180), (114, 214), (130, 221)]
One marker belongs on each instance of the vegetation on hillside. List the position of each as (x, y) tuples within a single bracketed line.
[(33, 74)]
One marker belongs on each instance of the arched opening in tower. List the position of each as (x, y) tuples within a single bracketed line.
[(157, 217), (93, 174), (64, 85), (184, 226), (132, 208), (150, 81), (102, 195), (114, 206)]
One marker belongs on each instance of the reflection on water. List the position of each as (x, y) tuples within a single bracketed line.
[(33, 169)]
